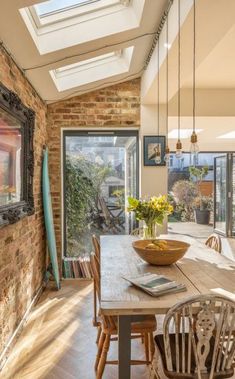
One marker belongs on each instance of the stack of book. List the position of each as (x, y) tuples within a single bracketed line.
[(77, 268), (155, 285)]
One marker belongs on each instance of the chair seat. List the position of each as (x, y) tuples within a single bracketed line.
[(147, 325), (160, 344)]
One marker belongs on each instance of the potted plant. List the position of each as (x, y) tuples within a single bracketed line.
[(202, 204), (152, 211), (202, 208)]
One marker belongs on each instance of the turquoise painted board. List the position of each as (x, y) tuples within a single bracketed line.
[(48, 217)]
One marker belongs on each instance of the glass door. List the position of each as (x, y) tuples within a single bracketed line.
[(232, 194), (100, 171), (224, 194)]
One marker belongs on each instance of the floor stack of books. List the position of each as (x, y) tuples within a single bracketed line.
[(77, 268)]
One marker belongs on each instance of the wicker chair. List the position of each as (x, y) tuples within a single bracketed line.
[(109, 330), (214, 242), (202, 345)]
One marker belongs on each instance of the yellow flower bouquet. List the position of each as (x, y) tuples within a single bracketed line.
[(152, 211)]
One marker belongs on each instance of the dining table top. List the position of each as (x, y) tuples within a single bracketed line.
[(202, 270)]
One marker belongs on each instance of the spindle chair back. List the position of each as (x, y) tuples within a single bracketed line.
[(203, 344), (214, 242)]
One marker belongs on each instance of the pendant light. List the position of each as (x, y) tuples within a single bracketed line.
[(158, 158), (167, 150), (194, 148), (179, 153)]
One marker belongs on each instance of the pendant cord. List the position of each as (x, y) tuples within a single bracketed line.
[(179, 78), (167, 81), (194, 64), (158, 91)]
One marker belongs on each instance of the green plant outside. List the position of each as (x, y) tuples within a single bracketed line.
[(83, 180), (186, 196)]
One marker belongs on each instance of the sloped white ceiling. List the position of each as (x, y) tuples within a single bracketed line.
[(134, 30)]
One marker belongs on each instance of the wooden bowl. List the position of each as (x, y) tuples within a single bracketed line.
[(172, 252)]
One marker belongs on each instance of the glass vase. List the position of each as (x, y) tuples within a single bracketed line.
[(150, 231)]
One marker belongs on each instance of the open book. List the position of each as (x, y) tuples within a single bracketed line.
[(155, 285)]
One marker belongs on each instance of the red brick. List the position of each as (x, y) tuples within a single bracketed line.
[(22, 259)]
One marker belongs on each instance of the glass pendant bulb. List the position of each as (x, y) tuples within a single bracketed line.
[(179, 152), (167, 155), (194, 148), (158, 158)]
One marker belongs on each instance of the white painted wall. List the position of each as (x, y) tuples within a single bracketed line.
[(153, 180)]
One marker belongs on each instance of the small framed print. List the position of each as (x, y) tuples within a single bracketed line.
[(151, 145)]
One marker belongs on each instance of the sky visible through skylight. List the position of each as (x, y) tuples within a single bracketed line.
[(59, 5)]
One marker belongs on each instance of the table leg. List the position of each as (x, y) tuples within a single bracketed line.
[(124, 347)]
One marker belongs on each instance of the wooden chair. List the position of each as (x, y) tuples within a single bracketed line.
[(202, 345), (96, 321), (109, 325), (112, 223), (214, 242), (96, 245)]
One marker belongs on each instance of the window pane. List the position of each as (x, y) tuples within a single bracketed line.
[(221, 193), (52, 6), (100, 172)]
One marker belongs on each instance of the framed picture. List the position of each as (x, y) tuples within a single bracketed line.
[(151, 146)]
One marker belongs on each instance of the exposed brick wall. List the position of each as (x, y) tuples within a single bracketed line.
[(22, 245), (116, 106)]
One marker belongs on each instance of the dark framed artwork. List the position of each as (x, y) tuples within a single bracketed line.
[(16, 158), (151, 144)]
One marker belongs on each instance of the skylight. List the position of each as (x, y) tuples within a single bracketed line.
[(54, 11), (93, 69), (230, 135), (59, 24), (184, 133), (53, 6), (87, 63)]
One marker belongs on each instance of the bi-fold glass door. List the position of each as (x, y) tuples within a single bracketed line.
[(100, 171), (224, 195)]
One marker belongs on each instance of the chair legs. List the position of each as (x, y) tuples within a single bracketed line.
[(151, 346), (103, 357), (99, 349), (103, 348), (153, 374), (95, 322), (156, 368), (146, 346), (99, 329)]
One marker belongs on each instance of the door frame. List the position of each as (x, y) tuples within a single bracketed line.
[(229, 198), (102, 131)]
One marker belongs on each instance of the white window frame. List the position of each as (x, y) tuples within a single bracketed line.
[(83, 12), (62, 9), (81, 74), (87, 64)]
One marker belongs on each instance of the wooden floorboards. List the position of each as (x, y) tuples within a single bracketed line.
[(58, 341)]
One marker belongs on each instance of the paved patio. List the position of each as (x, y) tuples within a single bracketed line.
[(190, 229), (202, 232)]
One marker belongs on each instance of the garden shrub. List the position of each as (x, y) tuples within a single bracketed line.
[(184, 193), (83, 180)]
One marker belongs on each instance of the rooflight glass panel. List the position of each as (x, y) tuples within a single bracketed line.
[(93, 69), (88, 63), (54, 6)]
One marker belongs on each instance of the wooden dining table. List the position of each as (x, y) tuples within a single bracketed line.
[(202, 270)]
